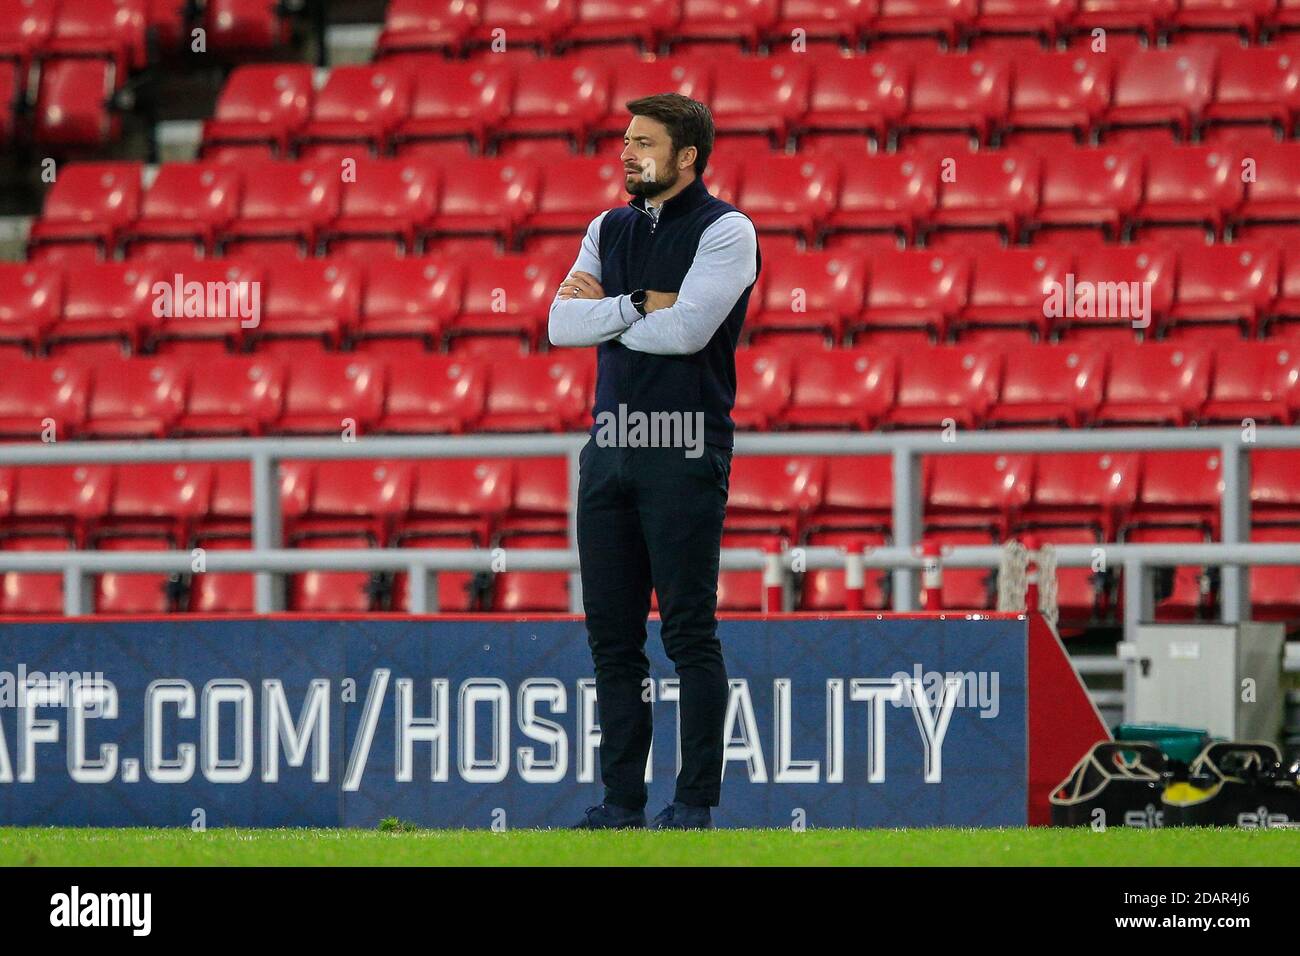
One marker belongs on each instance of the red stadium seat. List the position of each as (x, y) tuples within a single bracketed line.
[(967, 92), (789, 194), (857, 495), (1179, 489), (459, 496), (218, 300), (92, 28), (136, 398), (186, 203), (1191, 186), (734, 21), (315, 298), (262, 105), (234, 395), (914, 291), (989, 190), (1218, 285), (457, 590), (1080, 594), (489, 197), (774, 494), (976, 491), (857, 94), (89, 203), (518, 591), (1045, 19), (354, 497), (884, 193), (1273, 194), (1274, 493), (1285, 311), (764, 384), (1243, 16), (1170, 88), (25, 29), (1081, 490), (556, 98), (539, 501), (10, 85), (529, 393), (1009, 287), (157, 500), (945, 384), (133, 593), (815, 292), (1054, 385), (355, 111), (637, 78), (1089, 188), (945, 19), (845, 22), (1275, 590), (333, 592), (841, 388), (282, 203), (409, 299), (31, 594), (41, 396), (539, 23), (968, 589), (1059, 92), (608, 21), (222, 592), (1260, 85), (65, 500), (325, 395), (1111, 299), (453, 101), (1155, 384), (31, 301), (443, 25), (105, 301), (239, 26), (823, 588), (507, 297), (433, 394), (72, 104), (1254, 380), (383, 207), (759, 97), (573, 192), (1144, 17)]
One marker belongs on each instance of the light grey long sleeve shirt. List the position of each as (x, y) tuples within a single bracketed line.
[(726, 263)]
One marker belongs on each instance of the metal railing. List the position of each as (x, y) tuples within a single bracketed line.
[(269, 560)]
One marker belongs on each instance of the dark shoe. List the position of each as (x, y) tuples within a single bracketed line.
[(606, 816), (680, 816)]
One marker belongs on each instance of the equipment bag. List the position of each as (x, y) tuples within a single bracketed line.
[(1235, 784), (1116, 784)]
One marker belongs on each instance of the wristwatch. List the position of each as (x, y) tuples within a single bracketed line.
[(637, 299)]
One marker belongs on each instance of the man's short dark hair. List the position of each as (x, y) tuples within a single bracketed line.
[(689, 123)]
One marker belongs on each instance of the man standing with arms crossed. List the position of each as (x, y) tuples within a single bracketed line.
[(660, 286)]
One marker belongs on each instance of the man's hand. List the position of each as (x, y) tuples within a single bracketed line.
[(654, 301), (581, 285)]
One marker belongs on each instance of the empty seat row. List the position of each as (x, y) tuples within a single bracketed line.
[(343, 395), (1188, 193), (476, 304), (456, 27), (838, 501), (860, 389), (421, 103), (238, 303)]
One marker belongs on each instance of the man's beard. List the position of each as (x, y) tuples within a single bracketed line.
[(649, 188)]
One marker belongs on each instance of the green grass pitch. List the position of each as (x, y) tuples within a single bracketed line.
[(940, 847)]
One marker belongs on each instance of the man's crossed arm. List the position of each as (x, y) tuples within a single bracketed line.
[(681, 324)]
